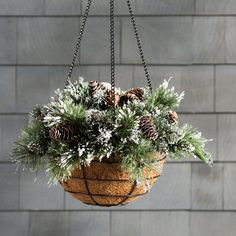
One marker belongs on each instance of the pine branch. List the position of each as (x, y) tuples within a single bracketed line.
[(78, 92), (191, 143), (64, 112), (136, 159), (31, 146), (164, 98), (126, 121), (63, 159), (101, 134)]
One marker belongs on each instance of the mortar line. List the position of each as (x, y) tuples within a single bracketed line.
[(121, 28), (44, 7), (29, 223), (110, 223), (191, 183), (122, 64), (217, 138), (214, 82), (16, 68), (81, 7), (119, 15), (120, 210), (64, 201), (189, 222), (223, 188)]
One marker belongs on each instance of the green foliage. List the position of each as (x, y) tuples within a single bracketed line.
[(31, 146), (137, 158), (190, 143), (56, 172), (38, 113), (164, 98), (63, 159), (65, 112), (104, 131), (126, 120), (78, 92), (68, 107)]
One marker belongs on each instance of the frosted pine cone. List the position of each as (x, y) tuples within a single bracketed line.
[(94, 86), (173, 117), (64, 132), (110, 101), (146, 124), (134, 94)]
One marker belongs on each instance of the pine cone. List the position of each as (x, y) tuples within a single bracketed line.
[(173, 117), (93, 86), (109, 99), (146, 124), (64, 132), (135, 94), (132, 95)]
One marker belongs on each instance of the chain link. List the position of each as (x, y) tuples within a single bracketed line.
[(112, 41), (139, 45), (75, 55)]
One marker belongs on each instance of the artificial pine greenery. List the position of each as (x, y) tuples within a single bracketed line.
[(65, 111), (31, 147), (164, 98), (138, 158), (190, 143), (79, 126)]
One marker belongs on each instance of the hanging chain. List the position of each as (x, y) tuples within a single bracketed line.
[(85, 17), (112, 41), (112, 46), (139, 45)]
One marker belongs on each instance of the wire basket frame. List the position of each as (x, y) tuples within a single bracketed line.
[(106, 184)]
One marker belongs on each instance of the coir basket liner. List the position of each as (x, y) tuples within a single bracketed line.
[(106, 184)]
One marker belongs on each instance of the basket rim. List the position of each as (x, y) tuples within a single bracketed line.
[(163, 157), (110, 180)]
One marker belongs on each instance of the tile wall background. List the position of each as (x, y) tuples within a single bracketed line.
[(192, 40)]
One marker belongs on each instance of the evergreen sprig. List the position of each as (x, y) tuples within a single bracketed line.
[(63, 159), (77, 91), (126, 120), (190, 143), (32, 145), (137, 159), (63, 112), (164, 98)]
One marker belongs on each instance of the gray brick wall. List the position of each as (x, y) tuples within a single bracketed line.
[(192, 40)]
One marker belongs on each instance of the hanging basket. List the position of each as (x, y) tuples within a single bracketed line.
[(106, 184), (95, 119)]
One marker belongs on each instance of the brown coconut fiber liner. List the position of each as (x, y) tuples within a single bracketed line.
[(105, 184)]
